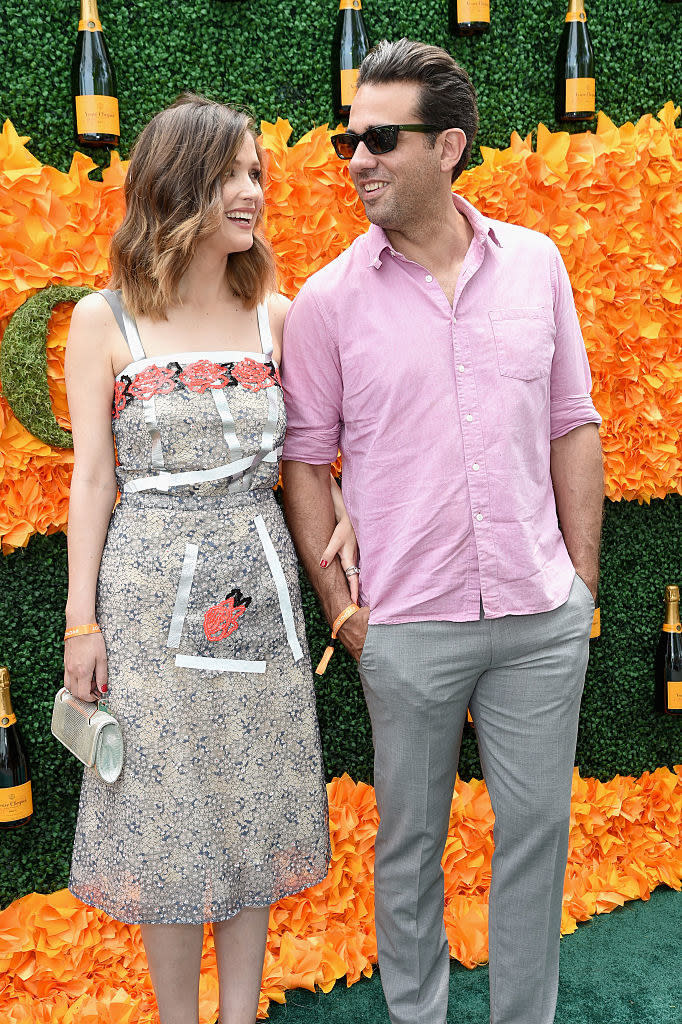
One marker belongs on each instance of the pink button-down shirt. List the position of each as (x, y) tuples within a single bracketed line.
[(444, 416)]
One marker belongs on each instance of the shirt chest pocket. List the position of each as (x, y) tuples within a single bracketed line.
[(524, 341)]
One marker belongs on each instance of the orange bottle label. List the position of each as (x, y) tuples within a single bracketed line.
[(576, 16), (97, 114), (349, 86), (675, 694), (7, 720), (473, 10), (579, 95), (350, 5), (16, 802), (596, 624), (669, 627)]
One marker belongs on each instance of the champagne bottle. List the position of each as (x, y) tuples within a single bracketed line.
[(16, 802), (93, 83), (469, 17), (668, 663), (574, 82), (349, 48)]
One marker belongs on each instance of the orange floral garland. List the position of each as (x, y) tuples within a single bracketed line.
[(68, 964), (611, 200)]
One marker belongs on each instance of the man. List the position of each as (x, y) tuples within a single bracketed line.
[(442, 352)]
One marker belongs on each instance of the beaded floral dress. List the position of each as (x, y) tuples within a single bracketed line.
[(221, 803)]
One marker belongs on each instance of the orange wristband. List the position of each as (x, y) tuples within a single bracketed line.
[(90, 627), (329, 650)]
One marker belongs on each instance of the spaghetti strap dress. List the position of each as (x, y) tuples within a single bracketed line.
[(221, 804)]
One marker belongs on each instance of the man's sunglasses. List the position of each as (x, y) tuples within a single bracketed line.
[(379, 140)]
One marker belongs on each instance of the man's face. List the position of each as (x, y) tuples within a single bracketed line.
[(400, 189)]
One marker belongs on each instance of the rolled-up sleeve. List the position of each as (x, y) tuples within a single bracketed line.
[(570, 384), (312, 383)]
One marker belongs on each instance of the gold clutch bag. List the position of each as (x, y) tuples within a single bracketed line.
[(88, 730)]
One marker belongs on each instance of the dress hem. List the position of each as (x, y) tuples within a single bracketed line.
[(203, 920)]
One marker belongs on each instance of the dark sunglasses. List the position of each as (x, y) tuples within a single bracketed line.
[(379, 140)]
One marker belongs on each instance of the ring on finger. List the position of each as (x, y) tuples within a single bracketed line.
[(352, 570)]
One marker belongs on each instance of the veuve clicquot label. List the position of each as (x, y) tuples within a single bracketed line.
[(349, 85), (473, 10), (16, 802), (674, 688), (468, 17), (96, 114), (580, 94)]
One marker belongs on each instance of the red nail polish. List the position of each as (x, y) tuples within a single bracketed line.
[(324, 564), (104, 688)]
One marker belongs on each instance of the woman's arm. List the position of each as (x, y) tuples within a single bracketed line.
[(342, 541), (89, 387)]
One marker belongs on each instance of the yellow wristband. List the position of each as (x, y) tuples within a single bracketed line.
[(338, 622), (90, 627)]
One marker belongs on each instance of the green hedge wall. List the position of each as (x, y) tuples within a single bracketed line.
[(620, 733), (274, 56)]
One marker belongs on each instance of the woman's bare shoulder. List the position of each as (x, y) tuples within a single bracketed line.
[(94, 332), (278, 306), (93, 310)]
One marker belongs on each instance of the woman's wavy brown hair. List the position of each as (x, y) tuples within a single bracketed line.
[(173, 192)]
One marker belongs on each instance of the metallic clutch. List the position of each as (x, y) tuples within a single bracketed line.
[(88, 730)]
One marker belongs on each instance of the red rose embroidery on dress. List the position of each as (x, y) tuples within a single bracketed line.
[(155, 380), (221, 620), (119, 402), (252, 375), (202, 375)]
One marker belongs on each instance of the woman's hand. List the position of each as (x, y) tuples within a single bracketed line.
[(342, 541), (343, 545), (85, 666)]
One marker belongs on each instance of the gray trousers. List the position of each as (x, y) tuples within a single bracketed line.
[(522, 676)]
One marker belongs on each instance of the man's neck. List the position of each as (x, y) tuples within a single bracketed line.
[(438, 244)]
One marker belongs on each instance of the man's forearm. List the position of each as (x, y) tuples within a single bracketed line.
[(310, 516), (578, 482)]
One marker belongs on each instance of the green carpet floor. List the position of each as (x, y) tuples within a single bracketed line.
[(618, 968)]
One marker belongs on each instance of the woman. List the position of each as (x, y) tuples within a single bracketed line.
[(221, 806)]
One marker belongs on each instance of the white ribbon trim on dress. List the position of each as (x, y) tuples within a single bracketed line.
[(281, 585), (164, 481), (149, 407), (189, 566), (219, 664)]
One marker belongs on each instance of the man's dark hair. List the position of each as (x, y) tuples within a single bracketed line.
[(446, 96)]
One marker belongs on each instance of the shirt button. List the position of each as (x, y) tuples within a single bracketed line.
[(475, 467), (429, 278), (461, 367), (469, 417), (479, 516)]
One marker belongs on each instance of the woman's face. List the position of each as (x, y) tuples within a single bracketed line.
[(242, 196)]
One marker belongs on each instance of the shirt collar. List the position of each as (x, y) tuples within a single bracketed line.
[(377, 241)]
